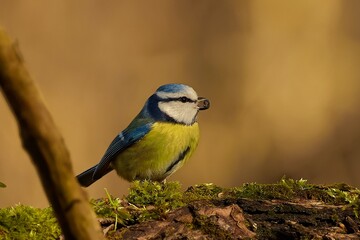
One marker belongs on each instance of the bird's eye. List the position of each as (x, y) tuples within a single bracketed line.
[(184, 99)]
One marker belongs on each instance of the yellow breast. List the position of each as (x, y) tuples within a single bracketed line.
[(160, 153)]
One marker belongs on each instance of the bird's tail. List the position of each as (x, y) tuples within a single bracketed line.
[(86, 178)]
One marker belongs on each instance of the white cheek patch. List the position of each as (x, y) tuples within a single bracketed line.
[(179, 111)]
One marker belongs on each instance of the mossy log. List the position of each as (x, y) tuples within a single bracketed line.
[(286, 210), (289, 209)]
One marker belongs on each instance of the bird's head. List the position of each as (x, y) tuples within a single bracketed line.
[(176, 102)]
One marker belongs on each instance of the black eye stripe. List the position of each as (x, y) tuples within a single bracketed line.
[(179, 99), (184, 99)]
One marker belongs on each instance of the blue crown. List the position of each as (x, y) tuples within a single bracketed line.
[(171, 88)]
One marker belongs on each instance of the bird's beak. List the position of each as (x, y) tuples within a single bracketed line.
[(203, 103)]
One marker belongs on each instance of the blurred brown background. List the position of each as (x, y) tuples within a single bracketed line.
[(283, 77)]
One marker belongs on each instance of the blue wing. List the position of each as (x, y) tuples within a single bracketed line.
[(125, 139)]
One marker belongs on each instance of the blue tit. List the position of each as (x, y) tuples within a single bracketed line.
[(158, 141)]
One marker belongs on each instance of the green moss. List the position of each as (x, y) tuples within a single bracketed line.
[(23, 222), (285, 189), (146, 200), (151, 200), (111, 207), (348, 196), (164, 195), (290, 189), (206, 191)]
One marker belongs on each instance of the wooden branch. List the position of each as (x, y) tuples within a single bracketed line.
[(45, 145)]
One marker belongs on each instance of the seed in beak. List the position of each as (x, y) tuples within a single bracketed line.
[(203, 103)]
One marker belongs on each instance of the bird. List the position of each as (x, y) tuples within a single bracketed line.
[(157, 142)]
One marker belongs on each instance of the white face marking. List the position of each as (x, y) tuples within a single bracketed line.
[(182, 112), (179, 111)]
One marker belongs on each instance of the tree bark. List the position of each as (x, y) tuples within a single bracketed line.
[(249, 219), (45, 145)]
